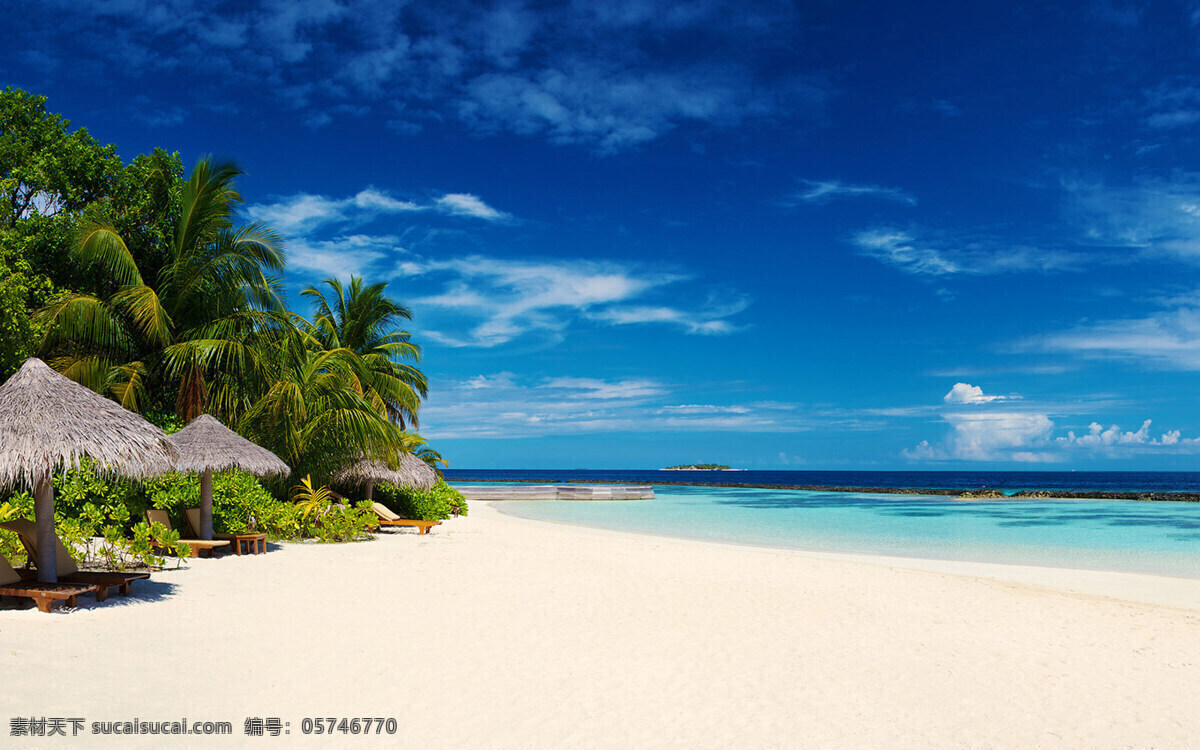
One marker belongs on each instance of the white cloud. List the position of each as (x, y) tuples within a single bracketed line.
[(824, 191), (1154, 217), (1097, 435), (1174, 103), (503, 299), (595, 388), (965, 393), (478, 300), (342, 258), (997, 436), (1168, 339), (607, 76), (504, 406), (1027, 436), (465, 204), (944, 257), (702, 409), (304, 213), (709, 321)]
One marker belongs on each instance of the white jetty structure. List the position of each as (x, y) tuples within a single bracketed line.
[(557, 492)]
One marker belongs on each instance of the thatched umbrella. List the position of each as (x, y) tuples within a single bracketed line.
[(48, 422), (413, 472), (206, 446)]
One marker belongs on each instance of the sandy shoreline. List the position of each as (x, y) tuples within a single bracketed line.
[(501, 632)]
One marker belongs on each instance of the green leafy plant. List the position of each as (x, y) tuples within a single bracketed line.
[(18, 505), (239, 497), (433, 505), (312, 502)]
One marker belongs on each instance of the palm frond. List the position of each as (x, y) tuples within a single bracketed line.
[(101, 244)]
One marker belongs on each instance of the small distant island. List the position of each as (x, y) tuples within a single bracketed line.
[(700, 467)]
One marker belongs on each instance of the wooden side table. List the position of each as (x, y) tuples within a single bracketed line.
[(255, 543)]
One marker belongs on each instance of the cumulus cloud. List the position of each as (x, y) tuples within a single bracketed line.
[(965, 393), (1097, 435), (1028, 436), (990, 436)]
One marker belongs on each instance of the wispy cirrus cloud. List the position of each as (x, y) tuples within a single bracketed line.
[(465, 204), (1173, 103), (498, 300), (710, 319), (1157, 217), (1167, 339), (947, 255), (824, 191), (304, 213), (482, 300)]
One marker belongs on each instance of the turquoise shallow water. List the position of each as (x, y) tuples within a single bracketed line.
[(1146, 537)]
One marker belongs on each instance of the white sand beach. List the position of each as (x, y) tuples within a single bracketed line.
[(497, 632)]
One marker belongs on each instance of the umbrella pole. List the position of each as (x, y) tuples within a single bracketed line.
[(47, 542), (369, 492), (205, 530)]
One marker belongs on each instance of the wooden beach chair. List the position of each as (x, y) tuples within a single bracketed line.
[(44, 595), (197, 546), (253, 541), (387, 518), (68, 571)]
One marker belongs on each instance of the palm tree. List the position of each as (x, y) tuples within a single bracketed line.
[(314, 414), (419, 447), (365, 321), (193, 330)]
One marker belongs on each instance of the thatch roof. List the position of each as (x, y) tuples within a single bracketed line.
[(208, 445), (413, 472), (48, 422)]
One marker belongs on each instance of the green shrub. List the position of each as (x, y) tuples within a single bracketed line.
[(432, 505), (102, 521), (239, 497), (18, 505), (96, 522)]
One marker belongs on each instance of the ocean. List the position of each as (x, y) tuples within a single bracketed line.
[(1160, 537)]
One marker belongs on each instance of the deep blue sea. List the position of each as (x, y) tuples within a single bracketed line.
[(1128, 535)]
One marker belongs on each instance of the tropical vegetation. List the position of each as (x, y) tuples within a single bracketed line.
[(141, 282)]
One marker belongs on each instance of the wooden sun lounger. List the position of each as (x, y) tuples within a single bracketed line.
[(387, 518), (43, 594), (67, 571), (197, 546)]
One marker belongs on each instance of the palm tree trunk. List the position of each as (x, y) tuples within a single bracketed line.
[(47, 542), (369, 492), (205, 530)]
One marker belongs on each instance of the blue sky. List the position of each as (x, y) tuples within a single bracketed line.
[(777, 235)]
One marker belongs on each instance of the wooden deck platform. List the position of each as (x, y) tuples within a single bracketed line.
[(558, 492)]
